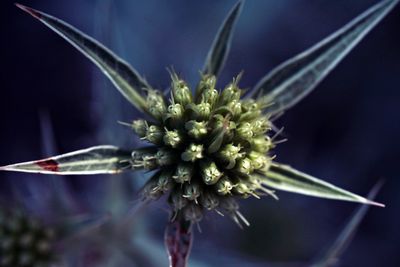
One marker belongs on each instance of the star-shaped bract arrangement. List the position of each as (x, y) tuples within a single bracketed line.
[(208, 146)]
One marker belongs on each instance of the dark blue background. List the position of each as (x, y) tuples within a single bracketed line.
[(346, 132)]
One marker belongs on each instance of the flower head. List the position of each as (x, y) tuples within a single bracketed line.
[(203, 145)]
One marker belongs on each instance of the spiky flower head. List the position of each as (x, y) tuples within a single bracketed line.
[(25, 241), (204, 148)]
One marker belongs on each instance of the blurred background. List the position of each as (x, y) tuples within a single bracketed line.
[(346, 132)]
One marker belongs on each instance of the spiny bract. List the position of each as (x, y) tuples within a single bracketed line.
[(208, 147)]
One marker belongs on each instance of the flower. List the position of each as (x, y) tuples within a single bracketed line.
[(25, 241), (208, 146), (31, 235)]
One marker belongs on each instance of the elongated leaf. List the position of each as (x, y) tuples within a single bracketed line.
[(339, 246), (283, 177), (94, 160), (121, 74), (178, 241), (294, 79), (219, 50)]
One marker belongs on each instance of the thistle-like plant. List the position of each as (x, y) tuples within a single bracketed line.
[(208, 146), (30, 235)]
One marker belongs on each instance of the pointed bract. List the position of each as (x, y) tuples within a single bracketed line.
[(94, 160), (283, 177), (220, 48), (294, 79), (121, 74)]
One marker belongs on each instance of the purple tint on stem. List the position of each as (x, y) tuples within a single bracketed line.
[(178, 241)]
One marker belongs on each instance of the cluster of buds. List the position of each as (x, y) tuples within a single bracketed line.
[(206, 148), (24, 241)]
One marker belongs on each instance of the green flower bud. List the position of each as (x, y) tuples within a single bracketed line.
[(210, 96), (229, 153), (261, 144), (156, 103), (209, 172), (230, 206), (261, 126), (192, 191), (235, 107), (250, 105), (250, 115), (175, 114), (250, 110), (151, 190), (192, 153), (140, 153), (244, 131), (243, 189), (222, 132), (164, 181), (180, 91), (224, 186), (178, 201), (257, 185), (193, 213), (200, 111), (140, 127), (230, 93), (172, 138), (259, 161), (154, 134), (165, 157), (195, 129), (183, 173), (209, 201), (206, 90), (144, 161), (244, 166)]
